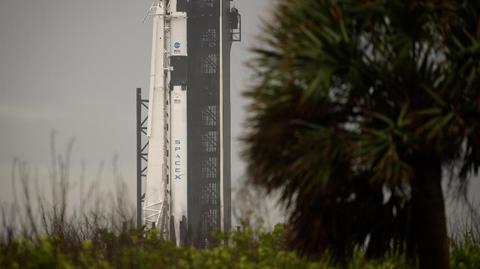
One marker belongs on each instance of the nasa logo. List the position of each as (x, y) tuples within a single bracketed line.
[(177, 45)]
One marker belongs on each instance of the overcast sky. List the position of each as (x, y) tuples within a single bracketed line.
[(73, 66)]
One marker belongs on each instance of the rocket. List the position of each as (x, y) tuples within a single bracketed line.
[(178, 120), (166, 185)]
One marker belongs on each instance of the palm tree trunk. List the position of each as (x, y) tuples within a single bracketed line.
[(429, 220)]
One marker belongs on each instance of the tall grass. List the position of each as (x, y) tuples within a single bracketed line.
[(69, 220), (94, 230)]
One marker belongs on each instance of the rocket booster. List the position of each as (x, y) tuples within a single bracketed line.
[(178, 162), (178, 120)]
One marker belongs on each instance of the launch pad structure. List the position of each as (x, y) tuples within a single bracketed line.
[(190, 92)]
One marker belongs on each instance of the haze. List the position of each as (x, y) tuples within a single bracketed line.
[(73, 66)]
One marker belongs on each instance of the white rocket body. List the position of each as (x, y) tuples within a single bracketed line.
[(178, 161), (178, 130), (166, 188)]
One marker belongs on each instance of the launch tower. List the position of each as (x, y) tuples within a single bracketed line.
[(212, 27)]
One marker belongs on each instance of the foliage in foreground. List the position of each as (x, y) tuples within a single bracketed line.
[(352, 98), (246, 249)]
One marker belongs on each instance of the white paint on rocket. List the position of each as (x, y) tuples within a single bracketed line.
[(155, 195), (166, 188), (178, 157)]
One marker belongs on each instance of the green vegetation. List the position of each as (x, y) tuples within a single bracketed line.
[(51, 234), (246, 249), (358, 110)]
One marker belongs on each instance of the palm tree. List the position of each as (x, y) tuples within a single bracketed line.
[(357, 108)]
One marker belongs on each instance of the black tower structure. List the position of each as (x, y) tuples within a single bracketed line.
[(212, 27)]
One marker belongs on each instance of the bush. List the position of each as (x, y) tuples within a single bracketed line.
[(245, 249), (100, 239), (466, 255)]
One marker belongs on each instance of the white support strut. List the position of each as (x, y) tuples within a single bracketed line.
[(222, 198), (156, 200)]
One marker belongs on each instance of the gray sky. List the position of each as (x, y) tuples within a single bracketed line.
[(73, 66)]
